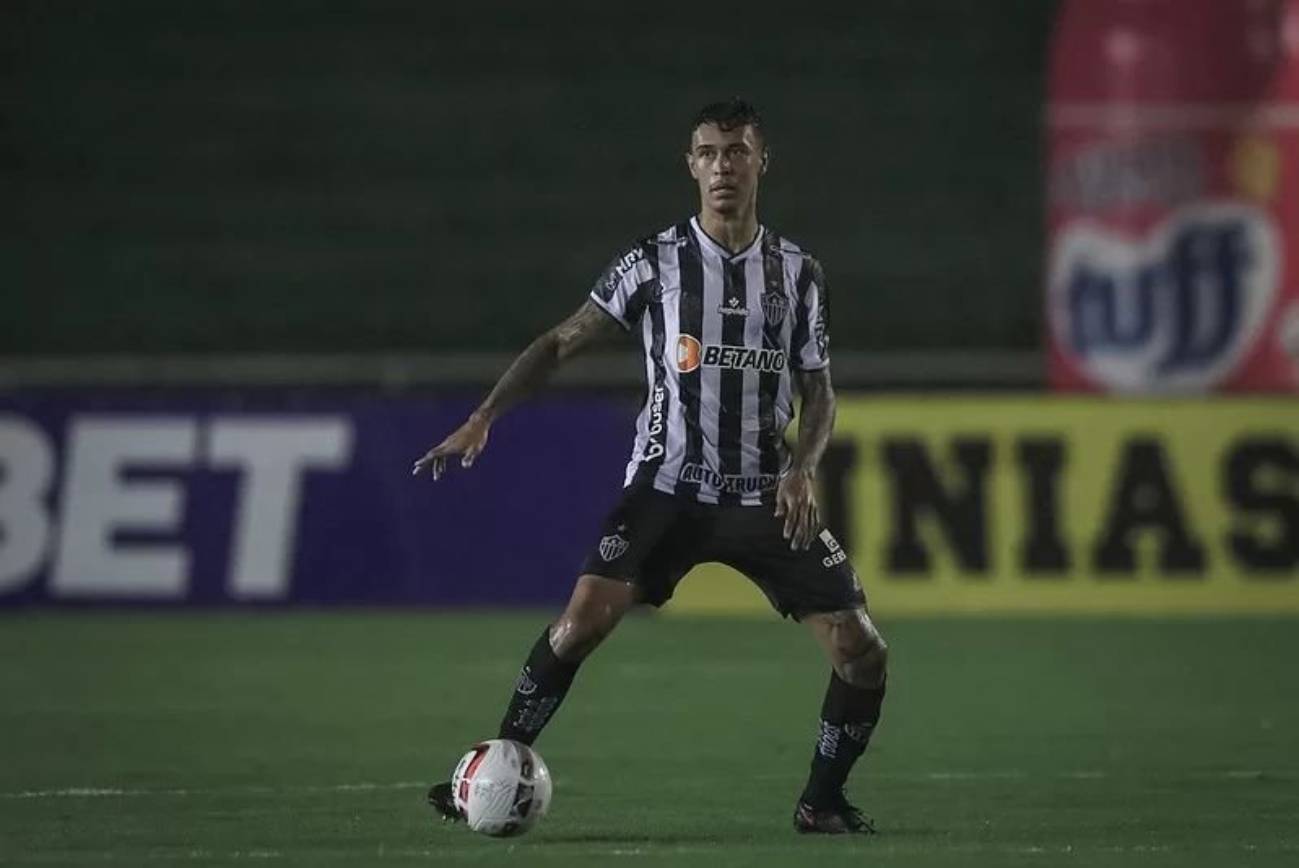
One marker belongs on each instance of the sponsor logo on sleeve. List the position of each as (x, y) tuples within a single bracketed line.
[(617, 271), (822, 337)]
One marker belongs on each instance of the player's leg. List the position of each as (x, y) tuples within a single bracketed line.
[(853, 699), (641, 555), (595, 608), (819, 587), (620, 570)]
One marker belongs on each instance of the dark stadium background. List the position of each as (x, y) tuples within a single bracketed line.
[(334, 177), (222, 211)]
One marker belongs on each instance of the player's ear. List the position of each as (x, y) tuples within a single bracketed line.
[(766, 160), (690, 164)]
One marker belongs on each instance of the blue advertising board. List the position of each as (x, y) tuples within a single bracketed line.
[(286, 496)]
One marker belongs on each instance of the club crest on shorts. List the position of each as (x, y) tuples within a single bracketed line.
[(774, 306), (613, 547)]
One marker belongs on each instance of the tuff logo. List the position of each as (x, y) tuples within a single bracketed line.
[(1177, 310)]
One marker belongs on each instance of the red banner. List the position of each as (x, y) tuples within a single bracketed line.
[(1173, 196)]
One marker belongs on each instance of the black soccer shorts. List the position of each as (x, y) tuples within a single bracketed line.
[(652, 540)]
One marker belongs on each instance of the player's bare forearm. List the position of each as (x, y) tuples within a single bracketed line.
[(525, 375), (815, 419), (795, 498), (534, 366), (528, 373)]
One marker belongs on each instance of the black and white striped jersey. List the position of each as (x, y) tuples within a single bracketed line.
[(721, 332)]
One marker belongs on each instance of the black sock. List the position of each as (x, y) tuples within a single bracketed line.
[(848, 717), (540, 688)]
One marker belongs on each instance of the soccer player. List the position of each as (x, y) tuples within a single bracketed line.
[(732, 317)]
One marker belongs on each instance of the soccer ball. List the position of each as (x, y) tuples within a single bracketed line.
[(501, 787)]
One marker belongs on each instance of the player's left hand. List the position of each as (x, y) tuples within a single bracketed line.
[(467, 441), (796, 501)]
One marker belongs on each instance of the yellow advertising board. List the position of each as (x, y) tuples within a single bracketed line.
[(1056, 504)]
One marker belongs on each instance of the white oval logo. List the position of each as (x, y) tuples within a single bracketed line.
[(1174, 312)]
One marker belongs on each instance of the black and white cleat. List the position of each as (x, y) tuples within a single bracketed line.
[(443, 802), (838, 818)]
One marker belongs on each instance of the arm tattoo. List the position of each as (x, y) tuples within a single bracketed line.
[(534, 365), (815, 418), (589, 325)]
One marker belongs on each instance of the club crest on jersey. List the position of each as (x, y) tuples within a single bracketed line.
[(613, 547), (689, 353), (774, 307)]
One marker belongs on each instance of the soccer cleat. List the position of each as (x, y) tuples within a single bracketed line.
[(838, 818), (443, 802)]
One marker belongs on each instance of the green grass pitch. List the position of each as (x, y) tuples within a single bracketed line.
[(308, 739)]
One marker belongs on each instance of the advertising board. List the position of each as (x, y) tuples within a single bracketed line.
[(1060, 504)]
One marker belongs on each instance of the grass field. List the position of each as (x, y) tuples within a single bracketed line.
[(291, 739)]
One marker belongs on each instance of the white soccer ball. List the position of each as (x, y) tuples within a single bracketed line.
[(501, 787)]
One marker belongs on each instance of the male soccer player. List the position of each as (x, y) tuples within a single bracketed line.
[(732, 316)]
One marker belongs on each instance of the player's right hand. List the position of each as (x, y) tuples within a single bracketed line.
[(467, 441)]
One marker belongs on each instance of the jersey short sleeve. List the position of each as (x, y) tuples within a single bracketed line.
[(810, 343), (623, 288)]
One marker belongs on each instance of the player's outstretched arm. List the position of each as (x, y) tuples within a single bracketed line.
[(527, 374), (795, 496)]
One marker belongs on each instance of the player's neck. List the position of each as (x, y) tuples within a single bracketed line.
[(733, 231)]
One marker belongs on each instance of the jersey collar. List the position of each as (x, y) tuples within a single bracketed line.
[(706, 240)]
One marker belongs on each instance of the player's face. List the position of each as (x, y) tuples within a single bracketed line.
[(726, 164)]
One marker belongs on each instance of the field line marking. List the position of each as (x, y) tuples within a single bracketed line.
[(87, 792), (119, 792)]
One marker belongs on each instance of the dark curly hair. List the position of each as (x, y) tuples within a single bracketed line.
[(730, 114)]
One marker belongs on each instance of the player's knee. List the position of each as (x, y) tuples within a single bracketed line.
[(575, 635), (592, 613), (864, 662)]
